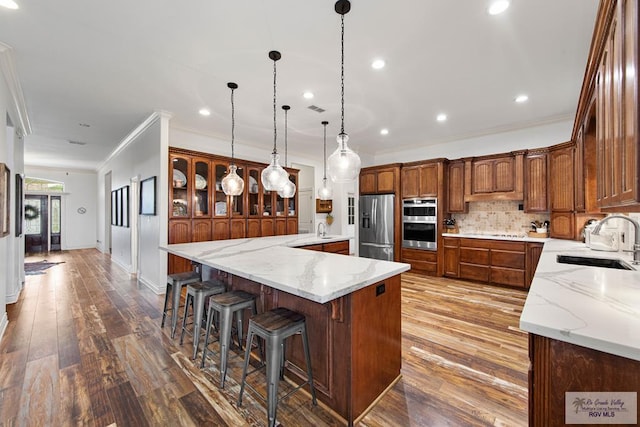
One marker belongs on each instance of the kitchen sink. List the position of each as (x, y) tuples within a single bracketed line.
[(594, 262)]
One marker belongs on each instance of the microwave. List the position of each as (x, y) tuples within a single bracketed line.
[(420, 209)]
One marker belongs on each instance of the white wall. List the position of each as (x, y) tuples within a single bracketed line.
[(533, 137), (143, 155), (78, 231)]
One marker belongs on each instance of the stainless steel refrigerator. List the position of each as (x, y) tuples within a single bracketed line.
[(375, 235)]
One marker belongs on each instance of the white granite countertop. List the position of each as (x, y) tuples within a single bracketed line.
[(275, 261), (497, 236), (593, 307)]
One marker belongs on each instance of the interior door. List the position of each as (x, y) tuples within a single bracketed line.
[(36, 213)]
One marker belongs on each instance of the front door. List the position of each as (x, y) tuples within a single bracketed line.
[(36, 219)]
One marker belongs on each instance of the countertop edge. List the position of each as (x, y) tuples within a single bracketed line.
[(497, 237)]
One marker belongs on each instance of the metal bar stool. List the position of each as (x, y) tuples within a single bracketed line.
[(175, 282), (226, 305), (274, 327), (197, 293)]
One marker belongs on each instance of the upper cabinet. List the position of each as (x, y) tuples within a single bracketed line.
[(180, 186), (536, 192), (456, 182), (608, 108), (380, 179), (201, 186), (422, 180), (498, 177)]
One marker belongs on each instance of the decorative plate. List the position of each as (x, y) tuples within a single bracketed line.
[(179, 180), (201, 182), (253, 185)]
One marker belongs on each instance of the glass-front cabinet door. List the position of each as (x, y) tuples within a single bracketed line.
[(238, 202), (220, 208), (253, 190), (201, 182), (180, 186)]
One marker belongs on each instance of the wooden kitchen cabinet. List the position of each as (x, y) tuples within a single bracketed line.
[(455, 187), (383, 179), (536, 190), (500, 262), (561, 178), (496, 177), (341, 247), (423, 179), (199, 210), (451, 248), (558, 367), (422, 261)]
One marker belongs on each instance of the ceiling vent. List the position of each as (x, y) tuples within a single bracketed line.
[(77, 143), (316, 109)]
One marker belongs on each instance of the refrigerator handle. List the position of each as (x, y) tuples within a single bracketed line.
[(374, 213)]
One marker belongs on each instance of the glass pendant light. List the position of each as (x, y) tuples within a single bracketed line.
[(344, 163), (274, 177), (289, 188), (325, 192), (232, 184)]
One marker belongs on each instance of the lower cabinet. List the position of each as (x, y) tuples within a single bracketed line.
[(499, 262), (558, 367), (422, 261), (333, 247)]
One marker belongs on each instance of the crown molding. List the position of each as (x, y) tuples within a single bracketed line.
[(7, 66)]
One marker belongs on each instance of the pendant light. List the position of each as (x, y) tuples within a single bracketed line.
[(274, 177), (325, 192), (344, 163), (289, 188), (232, 184)]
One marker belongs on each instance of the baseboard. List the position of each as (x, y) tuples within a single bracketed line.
[(158, 290), (13, 297), (3, 324)]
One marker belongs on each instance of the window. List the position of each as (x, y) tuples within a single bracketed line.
[(43, 185), (351, 210)]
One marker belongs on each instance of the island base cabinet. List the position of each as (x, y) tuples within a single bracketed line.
[(558, 367), (355, 342)]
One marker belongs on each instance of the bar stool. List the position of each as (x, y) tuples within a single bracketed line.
[(197, 293), (274, 327), (226, 305), (175, 282)]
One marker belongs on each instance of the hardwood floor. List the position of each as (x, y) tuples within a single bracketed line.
[(84, 346)]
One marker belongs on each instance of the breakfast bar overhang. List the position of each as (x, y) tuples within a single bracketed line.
[(352, 307)]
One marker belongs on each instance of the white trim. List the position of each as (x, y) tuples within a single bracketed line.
[(3, 324), (158, 290), (133, 135), (7, 66), (13, 298)]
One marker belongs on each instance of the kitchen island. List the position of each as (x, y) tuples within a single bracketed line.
[(584, 325), (352, 307)]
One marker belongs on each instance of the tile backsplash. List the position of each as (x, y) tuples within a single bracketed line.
[(493, 217)]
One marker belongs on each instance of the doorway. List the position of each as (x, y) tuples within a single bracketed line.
[(43, 225)]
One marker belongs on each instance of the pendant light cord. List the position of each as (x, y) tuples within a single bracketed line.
[(233, 126), (275, 150), (286, 151), (324, 157), (342, 74)]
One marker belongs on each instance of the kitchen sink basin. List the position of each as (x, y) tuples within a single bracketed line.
[(594, 262)]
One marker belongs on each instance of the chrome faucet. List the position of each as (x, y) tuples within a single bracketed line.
[(636, 226), (323, 227)]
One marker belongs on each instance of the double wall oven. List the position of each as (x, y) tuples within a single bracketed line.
[(420, 224)]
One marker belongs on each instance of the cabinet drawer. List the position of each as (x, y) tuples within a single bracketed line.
[(419, 255), (312, 247), (474, 255), (507, 276), (337, 247), (451, 241), (507, 259), (508, 246), (423, 266), (474, 272)]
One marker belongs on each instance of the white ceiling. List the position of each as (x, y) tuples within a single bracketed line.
[(111, 64)]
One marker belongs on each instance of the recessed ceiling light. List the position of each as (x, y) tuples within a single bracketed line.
[(204, 112), (521, 98), (9, 4), (84, 125), (498, 6), (378, 64), (308, 95), (384, 131), (441, 117)]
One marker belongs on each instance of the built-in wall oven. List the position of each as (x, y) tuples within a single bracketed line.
[(420, 224)]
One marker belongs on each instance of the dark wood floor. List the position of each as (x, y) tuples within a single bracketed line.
[(84, 346)]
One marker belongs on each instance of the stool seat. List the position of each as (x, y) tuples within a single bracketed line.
[(197, 293), (175, 282), (226, 305), (274, 327)]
